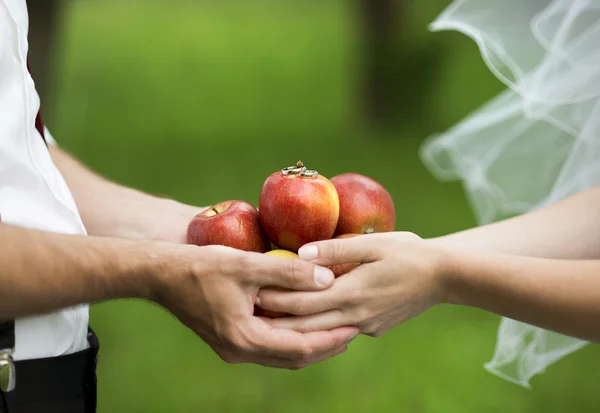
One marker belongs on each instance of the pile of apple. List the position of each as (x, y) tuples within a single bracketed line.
[(297, 206)]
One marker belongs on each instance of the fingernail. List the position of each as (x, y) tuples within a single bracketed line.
[(310, 252), (323, 277), (351, 339), (257, 301)]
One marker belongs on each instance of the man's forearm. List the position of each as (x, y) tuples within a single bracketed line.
[(109, 209), (42, 271), (569, 229)]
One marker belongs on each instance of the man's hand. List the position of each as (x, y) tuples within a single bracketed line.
[(212, 290)]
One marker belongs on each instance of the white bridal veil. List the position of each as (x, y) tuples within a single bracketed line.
[(532, 145)]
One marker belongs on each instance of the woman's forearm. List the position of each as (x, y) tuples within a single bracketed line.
[(569, 229), (559, 295)]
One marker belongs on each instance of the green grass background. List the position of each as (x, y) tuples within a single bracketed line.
[(200, 101)]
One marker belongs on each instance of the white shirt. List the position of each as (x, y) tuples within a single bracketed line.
[(33, 194)]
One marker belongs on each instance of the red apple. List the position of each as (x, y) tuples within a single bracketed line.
[(365, 205), (341, 269), (231, 223), (260, 312), (297, 206)]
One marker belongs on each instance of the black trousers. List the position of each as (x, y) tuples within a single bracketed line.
[(64, 384)]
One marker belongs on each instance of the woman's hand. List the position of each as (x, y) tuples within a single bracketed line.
[(399, 277)]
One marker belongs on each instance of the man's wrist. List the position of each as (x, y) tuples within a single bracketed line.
[(152, 266), (171, 221), (166, 265)]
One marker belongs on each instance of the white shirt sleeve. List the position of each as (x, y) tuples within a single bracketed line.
[(49, 138)]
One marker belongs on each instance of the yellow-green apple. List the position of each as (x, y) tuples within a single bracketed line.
[(341, 269), (230, 223), (297, 206), (365, 205), (282, 253), (267, 313)]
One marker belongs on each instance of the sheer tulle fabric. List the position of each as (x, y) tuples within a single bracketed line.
[(532, 145)]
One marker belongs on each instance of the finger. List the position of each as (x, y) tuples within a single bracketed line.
[(316, 322), (298, 364), (293, 345), (303, 302), (339, 251), (289, 273)]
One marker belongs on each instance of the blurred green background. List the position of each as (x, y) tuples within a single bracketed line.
[(200, 101)]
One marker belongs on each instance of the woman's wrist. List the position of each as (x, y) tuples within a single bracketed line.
[(448, 271), (472, 278)]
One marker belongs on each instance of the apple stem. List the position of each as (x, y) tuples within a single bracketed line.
[(215, 210)]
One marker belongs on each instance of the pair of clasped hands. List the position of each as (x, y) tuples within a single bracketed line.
[(396, 279)]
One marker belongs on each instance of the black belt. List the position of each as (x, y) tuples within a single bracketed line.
[(7, 347), (65, 384)]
